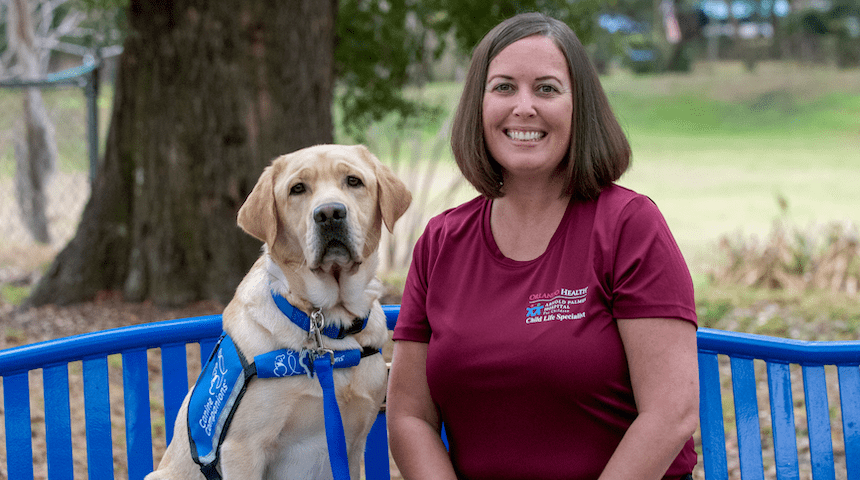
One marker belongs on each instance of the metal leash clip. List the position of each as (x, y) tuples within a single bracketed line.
[(317, 323)]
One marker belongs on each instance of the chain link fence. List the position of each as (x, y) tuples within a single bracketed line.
[(72, 113)]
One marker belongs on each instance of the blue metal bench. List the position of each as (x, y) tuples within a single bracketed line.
[(743, 354)]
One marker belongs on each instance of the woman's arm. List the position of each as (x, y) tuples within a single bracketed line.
[(663, 362), (413, 422)]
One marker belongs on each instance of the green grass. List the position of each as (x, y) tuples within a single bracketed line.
[(13, 294), (716, 148)]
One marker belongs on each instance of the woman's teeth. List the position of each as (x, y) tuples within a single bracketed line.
[(524, 136)]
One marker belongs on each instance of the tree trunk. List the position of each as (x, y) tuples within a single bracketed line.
[(35, 162), (207, 94), (36, 154)]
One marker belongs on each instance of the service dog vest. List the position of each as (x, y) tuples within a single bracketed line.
[(222, 384)]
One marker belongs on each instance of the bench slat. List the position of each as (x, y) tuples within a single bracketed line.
[(376, 463), (849, 394), (58, 423), (19, 437), (97, 410), (206, 348), (174, 371), (782, 421), (818, 422), (746, 417), (138, 433), (711, 418)]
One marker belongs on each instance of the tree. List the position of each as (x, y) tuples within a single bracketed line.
[(207, 94)]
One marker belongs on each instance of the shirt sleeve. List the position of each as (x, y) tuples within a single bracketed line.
[(650, 277), (412, 322)]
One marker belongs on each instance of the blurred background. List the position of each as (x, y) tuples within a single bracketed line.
[(742, 114), (131, 131)]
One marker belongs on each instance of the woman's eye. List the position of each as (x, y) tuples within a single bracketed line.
[(503, 88), (354, 181), (547, 89), (298, 189)]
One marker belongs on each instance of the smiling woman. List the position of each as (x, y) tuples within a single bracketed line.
[(479, 338), (600, 153)]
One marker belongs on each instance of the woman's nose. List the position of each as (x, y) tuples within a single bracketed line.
[(524, 106)]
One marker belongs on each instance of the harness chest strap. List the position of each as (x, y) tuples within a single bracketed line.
[(303, 321), (222, 384)]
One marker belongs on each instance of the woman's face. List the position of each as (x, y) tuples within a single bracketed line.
[(528, 108)]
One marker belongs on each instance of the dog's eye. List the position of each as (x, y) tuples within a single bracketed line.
[(298, 189), (354, 181)]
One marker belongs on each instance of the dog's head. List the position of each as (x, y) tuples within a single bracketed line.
[(324, 207)]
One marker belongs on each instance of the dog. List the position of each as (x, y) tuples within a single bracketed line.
[(319, 212)]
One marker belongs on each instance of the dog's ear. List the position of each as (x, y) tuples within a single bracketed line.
[(258, 216), (394, 197)]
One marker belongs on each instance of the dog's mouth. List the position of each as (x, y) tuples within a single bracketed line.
[(335, 257), (332, 249)]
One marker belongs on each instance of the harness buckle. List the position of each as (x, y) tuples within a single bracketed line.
[(321, 352)]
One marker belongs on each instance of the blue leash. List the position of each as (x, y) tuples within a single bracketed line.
[(334, 433), (335, 437)]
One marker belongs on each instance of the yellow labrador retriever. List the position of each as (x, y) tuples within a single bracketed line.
[(320, 212)]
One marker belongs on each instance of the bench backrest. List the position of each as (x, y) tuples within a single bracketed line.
[(719, 352), (747, 353)]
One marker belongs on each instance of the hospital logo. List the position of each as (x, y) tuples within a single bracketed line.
[(560, 305)]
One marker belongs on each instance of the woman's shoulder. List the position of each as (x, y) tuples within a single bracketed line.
[(465, 214), (618, 199), (616, 194), (452, 226)]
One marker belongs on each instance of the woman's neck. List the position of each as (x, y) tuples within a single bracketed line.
[(524, 225)]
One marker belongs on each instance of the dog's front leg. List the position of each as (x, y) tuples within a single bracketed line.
[(241, 461)]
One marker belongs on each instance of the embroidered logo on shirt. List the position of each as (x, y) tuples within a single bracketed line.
[(559, 305)]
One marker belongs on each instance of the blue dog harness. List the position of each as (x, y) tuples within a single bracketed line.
[(225, 377)]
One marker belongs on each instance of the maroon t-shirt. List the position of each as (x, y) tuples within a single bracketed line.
[(524, 361)]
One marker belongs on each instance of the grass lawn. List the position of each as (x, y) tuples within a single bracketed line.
[(707, 188), (715, 149)]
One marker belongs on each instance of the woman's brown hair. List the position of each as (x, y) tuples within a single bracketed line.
[(599, 152)]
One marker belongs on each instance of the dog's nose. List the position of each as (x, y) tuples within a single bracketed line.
[(330, 214)]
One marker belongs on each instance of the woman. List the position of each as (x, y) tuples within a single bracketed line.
[(550, 322)]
